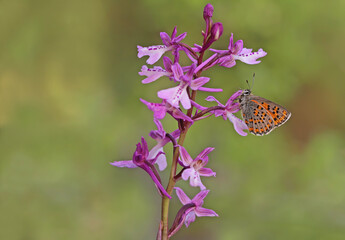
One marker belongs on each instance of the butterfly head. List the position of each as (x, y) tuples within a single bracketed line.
[(246, 92), (244, 95)]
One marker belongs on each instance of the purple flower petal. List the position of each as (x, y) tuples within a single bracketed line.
[(198, 82), (210, 89), (127, 164), (233, 97), (184, 99), (152, 73), (195, 180), (180, 37), (169, 94), (198, 200), (211, 99), (237, 48), (155, 180), (206, 172), (251, 57), (161, 159), (187, 173), (185, 157), (227, 61), (239, 124), (198, 106), (204, 212), (159, 127), (154, 52), (165, 38), (175, 133), (204, 63), (176, 113), (190, 217), (167, 64), (231, 41), (184, 199), (204, 153), (180, 219), (173, 34), (177, 71)]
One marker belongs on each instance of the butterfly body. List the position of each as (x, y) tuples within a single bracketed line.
[(261, 115)]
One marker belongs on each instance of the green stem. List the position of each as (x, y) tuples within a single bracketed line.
[(171, 185)]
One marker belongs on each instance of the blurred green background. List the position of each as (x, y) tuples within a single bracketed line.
[(69, 104)]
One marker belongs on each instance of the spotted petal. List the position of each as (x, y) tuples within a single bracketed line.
[(249, 57), (154, 52), (152, 73)]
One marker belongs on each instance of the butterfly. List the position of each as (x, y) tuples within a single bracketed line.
[(261, 115)]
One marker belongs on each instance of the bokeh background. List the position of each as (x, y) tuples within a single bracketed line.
[(69, 104)]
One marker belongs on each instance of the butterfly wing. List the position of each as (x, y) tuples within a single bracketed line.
[(262, 115)]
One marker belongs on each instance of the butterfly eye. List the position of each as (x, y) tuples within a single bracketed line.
[(246, 92)]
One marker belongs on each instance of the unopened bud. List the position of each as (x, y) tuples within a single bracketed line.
[(216, 31), (208, 11)]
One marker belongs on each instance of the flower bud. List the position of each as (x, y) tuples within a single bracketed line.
[(216, 31), (208, 11)]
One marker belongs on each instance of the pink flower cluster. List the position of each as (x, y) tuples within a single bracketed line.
[(179, 101)]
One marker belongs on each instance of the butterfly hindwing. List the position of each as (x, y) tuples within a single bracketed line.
[(262, 115), (258, 118), (278, 113)]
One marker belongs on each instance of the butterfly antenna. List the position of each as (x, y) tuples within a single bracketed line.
[(248, 84)]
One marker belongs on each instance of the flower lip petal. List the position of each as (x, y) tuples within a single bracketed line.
[(185, 100), (190, 217), (154, 52), (195, 180), (187, 173), (161, 161), (239, 125), (251, 58)]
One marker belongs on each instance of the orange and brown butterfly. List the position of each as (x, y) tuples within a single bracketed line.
[(261, 115)]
